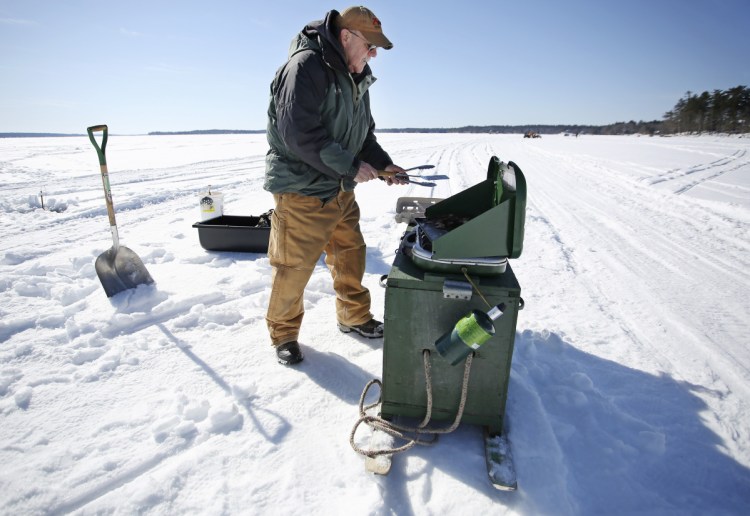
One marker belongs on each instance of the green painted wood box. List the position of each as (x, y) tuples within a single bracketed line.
[(427, 292), (420, 306)]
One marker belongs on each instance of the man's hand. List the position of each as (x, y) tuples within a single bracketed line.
[(396, 180), (365, 173)]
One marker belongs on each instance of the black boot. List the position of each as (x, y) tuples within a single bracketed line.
[(372, 329), (289, 353)]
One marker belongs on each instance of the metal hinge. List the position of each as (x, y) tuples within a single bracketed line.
[(453, 289)]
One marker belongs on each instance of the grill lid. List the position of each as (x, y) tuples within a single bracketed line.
[(486, 219)]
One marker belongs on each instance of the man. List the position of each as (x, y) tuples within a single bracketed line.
[(322, 140)]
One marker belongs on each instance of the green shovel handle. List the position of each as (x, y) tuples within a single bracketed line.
[(105, 177), (99, 150)]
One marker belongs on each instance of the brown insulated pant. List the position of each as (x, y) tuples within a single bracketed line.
[(302, 228)]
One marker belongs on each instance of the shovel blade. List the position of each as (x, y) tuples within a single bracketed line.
[(120, 270)]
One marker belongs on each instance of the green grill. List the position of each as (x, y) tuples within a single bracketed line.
[(484, 220)]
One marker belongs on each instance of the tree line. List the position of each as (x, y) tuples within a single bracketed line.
[(631, 127), (722, 111)]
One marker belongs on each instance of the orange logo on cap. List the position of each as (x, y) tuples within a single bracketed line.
[(375, 22)]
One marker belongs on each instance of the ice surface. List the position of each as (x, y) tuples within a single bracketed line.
[(629, 387)]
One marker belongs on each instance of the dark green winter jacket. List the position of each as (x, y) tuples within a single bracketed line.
[(319, 123)]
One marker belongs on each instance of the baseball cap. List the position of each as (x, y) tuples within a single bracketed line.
[(364, 20)]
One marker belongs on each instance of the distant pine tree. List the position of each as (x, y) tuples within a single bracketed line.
[(721, 111)]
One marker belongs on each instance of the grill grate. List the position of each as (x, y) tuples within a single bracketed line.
[(429, 230)]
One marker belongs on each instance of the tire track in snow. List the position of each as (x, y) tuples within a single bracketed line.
[(624, 250), (679, 173), (708, 178), (698, 220), (598, 264), (712, 170)]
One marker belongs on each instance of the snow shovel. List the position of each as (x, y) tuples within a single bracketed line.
[(118, 268)]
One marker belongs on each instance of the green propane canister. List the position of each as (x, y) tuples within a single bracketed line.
[(470, 332)]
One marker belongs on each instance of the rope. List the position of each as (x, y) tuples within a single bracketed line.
[(400, 432), (464, 270)]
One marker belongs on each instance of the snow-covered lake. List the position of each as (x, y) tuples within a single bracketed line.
[(630, 383)]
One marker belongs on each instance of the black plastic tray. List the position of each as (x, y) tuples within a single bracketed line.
[(233, 233)]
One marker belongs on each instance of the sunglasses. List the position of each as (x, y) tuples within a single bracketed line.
[(370, 46)]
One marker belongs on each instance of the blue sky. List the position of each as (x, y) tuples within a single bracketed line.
[(161, 65)]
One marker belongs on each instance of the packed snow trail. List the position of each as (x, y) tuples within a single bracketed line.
[(629, 382)]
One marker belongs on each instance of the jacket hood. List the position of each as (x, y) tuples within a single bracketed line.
[(323, 36)]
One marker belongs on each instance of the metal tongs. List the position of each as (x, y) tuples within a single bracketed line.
[(411, 177)]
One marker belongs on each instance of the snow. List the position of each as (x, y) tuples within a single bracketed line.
[(630, 379)]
